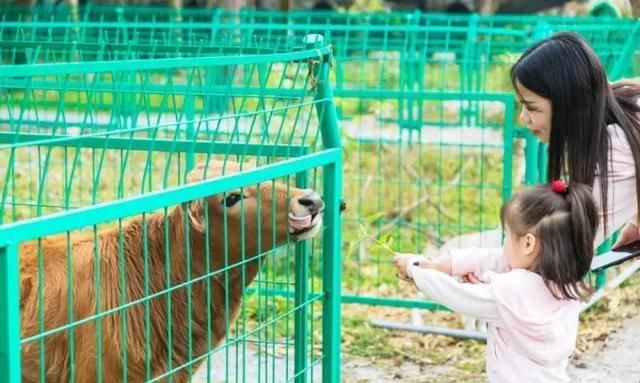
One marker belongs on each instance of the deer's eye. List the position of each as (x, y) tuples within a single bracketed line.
[(232, 199)]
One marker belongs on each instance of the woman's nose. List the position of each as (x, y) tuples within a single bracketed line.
[(524, 116)]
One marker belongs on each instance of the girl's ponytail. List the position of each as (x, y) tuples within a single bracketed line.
[(583, 225)]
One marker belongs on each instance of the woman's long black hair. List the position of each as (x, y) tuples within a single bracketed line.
[(565, 70)]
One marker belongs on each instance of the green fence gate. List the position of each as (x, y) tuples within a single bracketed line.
[(143, 233)]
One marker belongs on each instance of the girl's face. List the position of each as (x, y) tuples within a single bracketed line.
[(535, 113), (521, 251)]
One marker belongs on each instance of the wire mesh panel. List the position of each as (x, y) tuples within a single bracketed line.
[(415, 190), (393, 51), (52, 41), (419, 97), (148, 237), (373, 52)]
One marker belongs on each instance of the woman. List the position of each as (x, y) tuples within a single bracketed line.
[(588, 123)]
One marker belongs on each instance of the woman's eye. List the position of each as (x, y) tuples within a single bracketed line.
[(232, 199)]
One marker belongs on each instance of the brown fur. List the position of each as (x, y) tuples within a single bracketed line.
[(83, 249)]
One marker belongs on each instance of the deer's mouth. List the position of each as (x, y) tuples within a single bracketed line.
[(305, 226)]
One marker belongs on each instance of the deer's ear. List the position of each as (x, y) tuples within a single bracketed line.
[(196, 174), (195, 211), (26, 290)]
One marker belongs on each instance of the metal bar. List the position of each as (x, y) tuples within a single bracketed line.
[(10, 314), (255, 27), (615, 282), (32, 70), (95, 141), (66, 221), (507, 169), (464, 334), (331, 249), (301, 297), (177, 89), (371, 93)]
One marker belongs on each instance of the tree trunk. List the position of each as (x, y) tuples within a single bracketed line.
[(286, 5), (232, 5), (635, 8)]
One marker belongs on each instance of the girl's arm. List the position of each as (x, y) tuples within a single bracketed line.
[(458, 262), (475, 300), (477, 261)]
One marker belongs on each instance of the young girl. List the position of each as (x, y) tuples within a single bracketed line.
[(529, 291)]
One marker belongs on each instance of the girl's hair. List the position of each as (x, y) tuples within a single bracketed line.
[(565, 224), (565, 70)]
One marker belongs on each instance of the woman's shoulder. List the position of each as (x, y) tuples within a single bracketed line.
[(615, 130), (618, 137)]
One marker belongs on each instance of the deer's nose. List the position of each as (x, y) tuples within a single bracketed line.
[(313, 202)]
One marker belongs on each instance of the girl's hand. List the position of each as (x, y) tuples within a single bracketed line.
[(471, 278), (630, 233), (401, 262)]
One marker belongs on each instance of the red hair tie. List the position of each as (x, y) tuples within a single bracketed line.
[(559, 186)]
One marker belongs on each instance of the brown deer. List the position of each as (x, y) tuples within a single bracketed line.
[(118, 251)]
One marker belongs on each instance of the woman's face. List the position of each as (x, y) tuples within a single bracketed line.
[(535, 113)]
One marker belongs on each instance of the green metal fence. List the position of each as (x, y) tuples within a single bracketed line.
[(425, 104), (404, 52), (122, 261), (410, 50), (411, 190), (380, 181)]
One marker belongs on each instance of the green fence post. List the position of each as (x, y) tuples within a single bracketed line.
[(542, 30), (263, 77), (9, 314), (531, 147), (543, 160), (331, 270), (601, 277), (509, 136), (190, 115), (300, 297), (471, 66), (331, 250)]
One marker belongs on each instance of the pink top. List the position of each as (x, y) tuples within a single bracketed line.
[(531, 334)]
